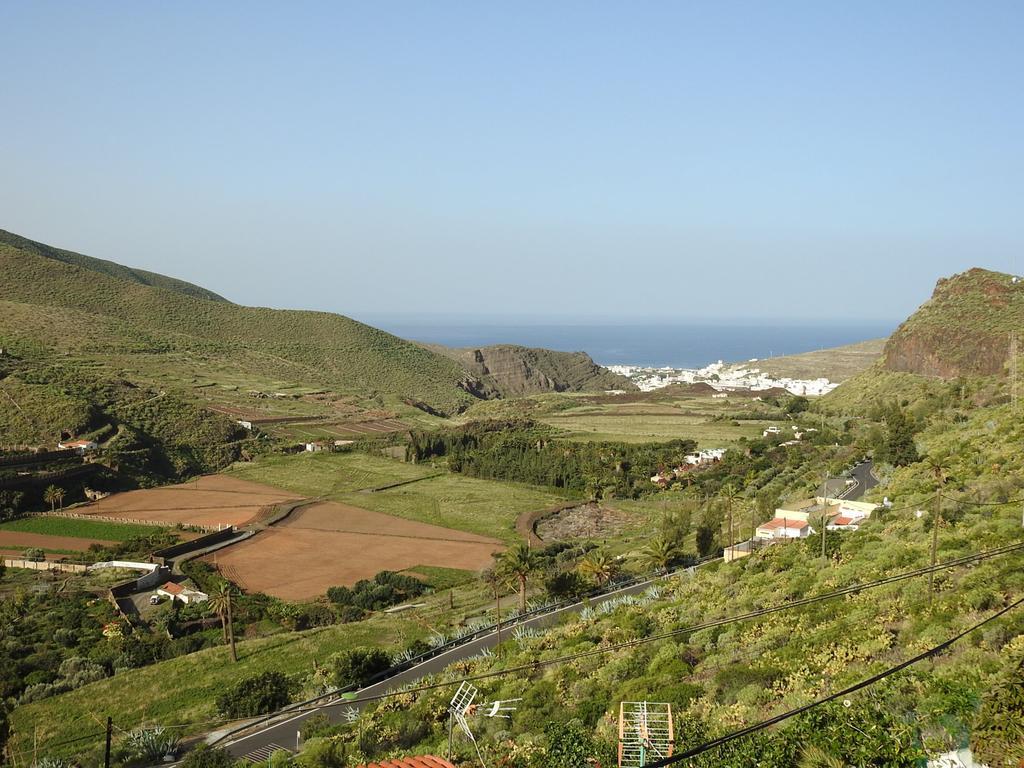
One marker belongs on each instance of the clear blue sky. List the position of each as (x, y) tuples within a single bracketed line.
[(673, 159)]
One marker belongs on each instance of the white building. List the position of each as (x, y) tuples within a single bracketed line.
[(79, 445), (184, 594)]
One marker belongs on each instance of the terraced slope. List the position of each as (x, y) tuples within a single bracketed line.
[(67, 303)]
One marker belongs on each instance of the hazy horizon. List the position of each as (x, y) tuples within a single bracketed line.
[(790, 162)]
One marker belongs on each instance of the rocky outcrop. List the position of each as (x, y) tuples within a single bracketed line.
[(508, 370), (962, 330)]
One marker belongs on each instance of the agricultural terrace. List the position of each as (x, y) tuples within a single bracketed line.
[(64, 536), (328, 544), (207, 501), (707, 420), (483, 507)]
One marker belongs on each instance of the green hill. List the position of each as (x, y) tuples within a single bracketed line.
[(509, 370), (79, 308), (962, 330), (140, 276)]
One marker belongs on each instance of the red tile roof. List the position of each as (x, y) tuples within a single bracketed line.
[(782, 522), (843, 520), (172, 589), (420, 761)]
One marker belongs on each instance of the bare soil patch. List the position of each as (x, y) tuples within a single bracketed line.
[(209, 501), (328, 544), (18, 540), (586, 521)]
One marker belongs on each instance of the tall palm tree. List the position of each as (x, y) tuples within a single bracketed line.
[(600, 565), (60, 498), (220, 603), (51, 495), (517, 564), (659, 553)]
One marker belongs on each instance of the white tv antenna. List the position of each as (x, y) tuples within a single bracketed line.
[(461, 708), (645, 732)]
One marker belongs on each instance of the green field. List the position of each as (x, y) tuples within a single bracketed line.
[(709, 421), (79, 529), (325, 474), (486, 507)]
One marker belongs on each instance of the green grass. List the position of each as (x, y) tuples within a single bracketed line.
[(327, 474), (441, 579), (79, 529), (485, 507), (688, 418)]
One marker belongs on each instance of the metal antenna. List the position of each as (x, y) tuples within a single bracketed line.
[(459, 708), (645, 732)]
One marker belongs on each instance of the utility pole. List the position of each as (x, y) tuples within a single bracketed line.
[(110, 733), (1013, 370), (497, 602), (824, 518), (935, 544)]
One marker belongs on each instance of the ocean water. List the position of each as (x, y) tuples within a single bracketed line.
[(673, 345)]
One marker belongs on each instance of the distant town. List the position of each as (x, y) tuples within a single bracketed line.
[(722, 376)]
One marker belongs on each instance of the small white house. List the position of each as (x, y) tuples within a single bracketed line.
[(771, 431), (79, 445), (184, 594), (315, 447), (784, 528)]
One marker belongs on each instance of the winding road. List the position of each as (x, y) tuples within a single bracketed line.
[(285, 733)]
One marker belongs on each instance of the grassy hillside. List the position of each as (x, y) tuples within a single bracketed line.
[(836, 364), (321, 347), (140, 276)]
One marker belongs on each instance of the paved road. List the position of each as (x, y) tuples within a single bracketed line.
[(283, 734), (865, 480)]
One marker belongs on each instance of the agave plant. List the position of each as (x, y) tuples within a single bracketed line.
[(436, 640), (150, 744)]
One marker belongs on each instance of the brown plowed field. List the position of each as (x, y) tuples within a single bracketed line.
[(22, 541), (209, 501), (330, 544)]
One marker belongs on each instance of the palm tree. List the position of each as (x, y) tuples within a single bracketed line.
[(52, 495), (220, 603), (600, 565), (660, 553), (60, 498), (516, 564)]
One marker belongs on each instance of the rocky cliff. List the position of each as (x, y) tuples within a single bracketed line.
[(963, 329), (508, 370)]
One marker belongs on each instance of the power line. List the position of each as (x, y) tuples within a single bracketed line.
[(540, 664), (709, 745)]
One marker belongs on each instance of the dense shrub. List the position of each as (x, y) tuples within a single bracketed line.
[(358, 666), (386, 589), (257, 695)]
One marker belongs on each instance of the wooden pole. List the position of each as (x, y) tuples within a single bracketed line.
[(935, 547), (110, 734)]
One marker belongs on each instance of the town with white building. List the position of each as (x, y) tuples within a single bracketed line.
[(724, 377)]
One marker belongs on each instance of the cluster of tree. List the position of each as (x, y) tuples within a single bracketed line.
[(523, 450), (256, 695), (384, 590)]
